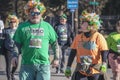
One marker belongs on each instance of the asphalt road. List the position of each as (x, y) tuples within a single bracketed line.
[(54, 76)]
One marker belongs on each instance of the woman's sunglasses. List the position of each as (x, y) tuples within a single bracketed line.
[(12, 21)]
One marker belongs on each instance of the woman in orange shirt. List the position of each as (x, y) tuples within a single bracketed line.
[(90, 49)]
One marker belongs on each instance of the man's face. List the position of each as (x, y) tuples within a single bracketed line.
[(35, 16), (63, 20)]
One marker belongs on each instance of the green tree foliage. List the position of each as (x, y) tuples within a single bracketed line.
[(91, 7), (112, 8), (12, 7), (6, 7), (107, 7)]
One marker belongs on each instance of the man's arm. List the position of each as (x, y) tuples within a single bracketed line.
[(55, 48)]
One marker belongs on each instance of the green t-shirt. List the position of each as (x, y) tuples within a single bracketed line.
[(35, 40), (113, 40)]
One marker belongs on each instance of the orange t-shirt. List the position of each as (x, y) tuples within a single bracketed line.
[(101, 45)]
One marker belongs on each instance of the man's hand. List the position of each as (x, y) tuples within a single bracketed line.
[(55, 63), (14, 61), (68, 72), (104, 67)]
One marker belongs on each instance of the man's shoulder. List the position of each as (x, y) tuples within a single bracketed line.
[(23, 24), (45, 23)]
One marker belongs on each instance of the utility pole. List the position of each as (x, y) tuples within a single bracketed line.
[(76, 21)]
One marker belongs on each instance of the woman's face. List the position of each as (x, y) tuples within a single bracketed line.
[(13, 24), (84, 27)]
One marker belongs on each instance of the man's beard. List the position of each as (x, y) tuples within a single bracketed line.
[(35, 21)]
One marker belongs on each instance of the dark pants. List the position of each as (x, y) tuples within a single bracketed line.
[(1, 35), (62, 58), (9, 72), (78, 76)]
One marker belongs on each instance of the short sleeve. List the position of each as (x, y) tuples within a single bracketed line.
[(109, 41), (52, 35), (17, 36), (74, 43), (102, 44)]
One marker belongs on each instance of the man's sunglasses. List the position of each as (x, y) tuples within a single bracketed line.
[(35, 13)]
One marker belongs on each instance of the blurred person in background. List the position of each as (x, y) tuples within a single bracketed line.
[(90, 49), (113, 41), (32, 38), (1, 27), (9, 45), (65, 36), (1, 37)]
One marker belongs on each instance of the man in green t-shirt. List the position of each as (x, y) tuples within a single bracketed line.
[(33, 38)]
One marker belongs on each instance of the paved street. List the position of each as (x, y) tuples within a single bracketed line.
[(54, 76)]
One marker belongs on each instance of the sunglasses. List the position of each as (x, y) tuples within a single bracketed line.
[(12, 21), (35, 13)]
